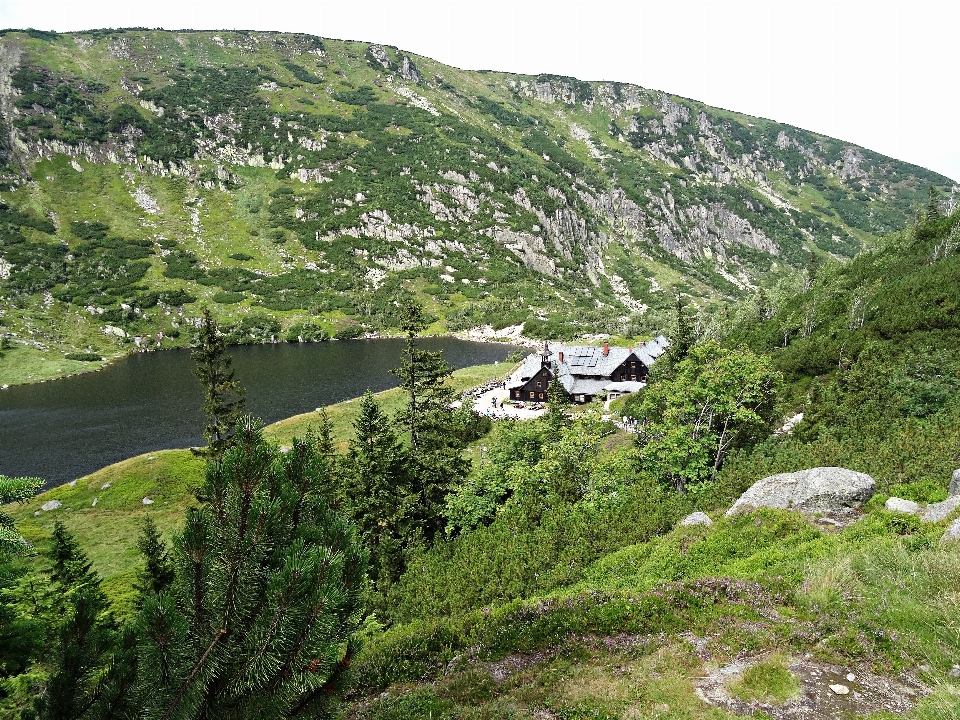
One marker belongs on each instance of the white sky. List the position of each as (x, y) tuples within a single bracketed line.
[(879, 74)]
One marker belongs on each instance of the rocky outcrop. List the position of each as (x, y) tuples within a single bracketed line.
[(827, 490), (953, 531), (935, 512), (955, 483)]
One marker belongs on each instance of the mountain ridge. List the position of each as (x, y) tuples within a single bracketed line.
[(352, 174)]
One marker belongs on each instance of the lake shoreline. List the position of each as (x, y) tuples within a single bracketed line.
[(471, 335), (152, 401)]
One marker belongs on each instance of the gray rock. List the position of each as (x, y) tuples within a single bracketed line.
[(953, 531), (954, 672), (51, 505), (697, 518), (822, 489), (955, 483), (936, 512), (900, 505), (147, 501), (95, 501), (105, 486), (840, 689)]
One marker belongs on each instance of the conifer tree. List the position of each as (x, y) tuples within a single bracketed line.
[(156, 575), (422, 376), (933, 212), (558, 402), (15, 490), (436, 457), (223, 397), (260, 619), (378, 489), (85, 639)]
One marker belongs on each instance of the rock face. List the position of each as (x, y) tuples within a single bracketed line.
[(955, 483), (896, 504), (953, 531), (938, 511), (824, 489), (697, 518)]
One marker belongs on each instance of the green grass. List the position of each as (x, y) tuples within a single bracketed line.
[(769, 681), (108, 531), (22, 365)]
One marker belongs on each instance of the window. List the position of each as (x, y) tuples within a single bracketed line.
[(541, 396), (623, 376), (532, 394), (539, 384), (633, 364)]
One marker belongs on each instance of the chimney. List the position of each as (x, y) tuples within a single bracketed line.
[(606, 349), (561, 356)]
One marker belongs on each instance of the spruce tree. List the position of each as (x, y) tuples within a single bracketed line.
[(423, 375), (933, 212), (156, 575), (259, 621), (558, 402), (82, 651), (223, 397), (15, 490), (436, 457), (377, 485)]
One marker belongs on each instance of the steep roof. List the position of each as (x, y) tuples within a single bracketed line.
[(581, 362)]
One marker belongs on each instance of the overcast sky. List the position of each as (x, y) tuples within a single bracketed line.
[(879, 74)]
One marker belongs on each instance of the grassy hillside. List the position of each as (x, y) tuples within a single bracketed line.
[(108, 530), (301, 186)]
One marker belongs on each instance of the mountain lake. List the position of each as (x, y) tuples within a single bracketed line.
[(64, 429)]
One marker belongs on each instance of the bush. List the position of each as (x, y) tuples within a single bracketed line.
[(349, 333), (228, 298), (83, 357)]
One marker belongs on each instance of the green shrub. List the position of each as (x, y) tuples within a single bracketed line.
[(228, 298), (83, 356)]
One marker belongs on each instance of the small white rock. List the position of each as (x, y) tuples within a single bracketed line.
[(36, 512), (954, 672), (851, 677), (105, 486), (95, 501), (147, 501), (72, 483), (840, 689), (895, 504), (697, 518), (51, 505)]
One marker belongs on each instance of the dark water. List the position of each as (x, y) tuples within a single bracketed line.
[(68, 428)]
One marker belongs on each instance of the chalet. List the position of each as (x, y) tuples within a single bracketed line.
[(585, 370)]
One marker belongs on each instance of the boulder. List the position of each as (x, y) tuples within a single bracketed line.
[(953, 531), (900, 505), (955, 483), (51, 505), (824, 489), (697, 518), (936, 512), (147, 501)]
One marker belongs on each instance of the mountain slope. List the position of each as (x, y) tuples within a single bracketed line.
[(303, 186)]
